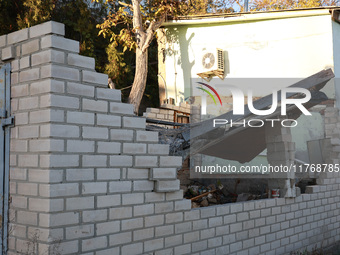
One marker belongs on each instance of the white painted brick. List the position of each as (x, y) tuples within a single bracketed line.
[(48, 56), (109, 147), (132, 249), (62, 131), (14, 78), (183, 249), (164, 207), (94, 243), (121, 135), (158, 149), (81, 61), (121, 238), (176, 195), (28, 160), (109, 227), (170, 161), (19, 90), (56, 160), (174, 217), (120, 213), (143, 234), (80, 89), (25, 62), (108, 174), (133, 223), (167, 186), (143, 185), (108, 201), (17, 36), (154, 197), (137, 173), (94, 188), (170, 241), (134, 148), (163, 173), (28, 103), (134, 122), (108, 120), (183, 227), (45, 176), (121, 108), (184, 205), (191, 237), (95, 133), (85, 118), (59, 190), (30, 47), (79, 203), (109, 94), (28, 132), (59, 101), (94, 161), (141, 210), (121, 161), (48, 115), (27, 218), (146, 136), (95, 105), (18, 174), (80, 174), (61, 72), (120, 186), (69, 247), (46, 86), (94, 215), (29, 189), (94, 77), (7, 53), (50, 27), (155, 220), (146, 161), (58, 219), (80, 231), (58, 42), (29, 75), (19, 146), (154, 244), (21, 118), (134, 198), (80, 146), (19, 201)]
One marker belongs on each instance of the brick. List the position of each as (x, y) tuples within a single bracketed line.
[(121, 161), (18, 146), (141, 210), (81, 61), (53, 41), (143, 234), (94, 243), (61, 72), (121, 135), (80, 146), (7, 53), (176, 195), (29, 75), (121, 108), (108, 200), (17, 36), (134, 148), (94, 215), (95, 105), (184, 204), (19, 90), (121, 238), (134, 198), (109, 227), (30, 47), (163, 173), (94, 161), (25, 62), (132, 249), (3, 41), (120, 213), (27, 218), (146, 161), (80, 89), (134, 122), (59, 101), (59, 190), (167, 186), (183, 249), (19, 201), (28, 103), (146, 136), (79, 232), (183, 227), (95, 133), (48, 115), (155, 220), (120, 186), (108, 120), (29, 189), (133, 223), (48, 56), (109, 94), (46, 86), (154, 197), (59, 160), (94, 188), (108, 174), (137, 173), (154, 244), (85, 118), (80, 174), (61, 131), (79, 203), (50, 27), (94, 77), (58, 219), (170, 161), (50, 145), (158, 149), (44, 176), (28, 160), (174, 217), (46, 205), (21, 118), (143, 185)]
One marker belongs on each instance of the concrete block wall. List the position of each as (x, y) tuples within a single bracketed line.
[(86, 178)]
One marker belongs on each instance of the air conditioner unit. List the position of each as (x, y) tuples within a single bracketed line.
[(212, 62)]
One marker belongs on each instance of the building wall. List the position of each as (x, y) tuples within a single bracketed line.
[(86, 178)]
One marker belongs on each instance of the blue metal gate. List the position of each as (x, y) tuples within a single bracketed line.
[(5, 123)]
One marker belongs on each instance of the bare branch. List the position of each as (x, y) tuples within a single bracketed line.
[(125, 4), (154, 25)]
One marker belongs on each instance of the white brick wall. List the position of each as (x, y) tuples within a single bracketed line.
[(83, 169)]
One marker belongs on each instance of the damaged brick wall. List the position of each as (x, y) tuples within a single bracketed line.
[(86, 178)]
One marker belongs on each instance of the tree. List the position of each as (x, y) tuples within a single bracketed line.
[(267, 5), (138, 21)]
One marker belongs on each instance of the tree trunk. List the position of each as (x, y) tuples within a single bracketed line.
[(139, 82)]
